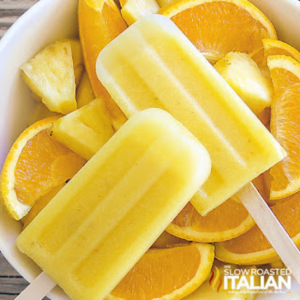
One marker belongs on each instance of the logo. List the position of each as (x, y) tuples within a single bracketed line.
[(251, 280)]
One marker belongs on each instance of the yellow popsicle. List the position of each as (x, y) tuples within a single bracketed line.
[(153, 64), (100, 224)]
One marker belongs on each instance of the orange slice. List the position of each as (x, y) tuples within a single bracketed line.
[(166, 274), (40, 204), (225, 222), (275, 47), (214, 287), (285, 124), (35, 164), (167, 240), (252, 247), (100, 21), (217, 27)]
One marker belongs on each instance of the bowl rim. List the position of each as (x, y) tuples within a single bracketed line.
[(7, 43), (22, 20), (43, 3)]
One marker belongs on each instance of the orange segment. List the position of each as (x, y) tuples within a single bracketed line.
[(166, 274), (217, 27), (285, 124), (225, 222), (252, 247), (43, 164), (100, 21), (35, 164)]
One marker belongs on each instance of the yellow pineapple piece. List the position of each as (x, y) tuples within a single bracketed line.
[(50, 75), (249, 82), (85, 92), (134, 10), (163, 3), (78, 63), (86, 130)]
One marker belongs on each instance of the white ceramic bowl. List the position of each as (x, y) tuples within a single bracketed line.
[(44, 23)]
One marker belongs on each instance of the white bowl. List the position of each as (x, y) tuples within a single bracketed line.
[(44, 23)]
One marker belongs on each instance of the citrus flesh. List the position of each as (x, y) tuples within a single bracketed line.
[(276, 47), (285, 124), (225, 222), (166, 273), (217, 27), (252, 247), (35, 164), (100, 21), (167, 240)]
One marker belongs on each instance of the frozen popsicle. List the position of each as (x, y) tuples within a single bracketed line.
[(153, 64), (99, 225)]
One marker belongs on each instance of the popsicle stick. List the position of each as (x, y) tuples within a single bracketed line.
[(38, 288), (271, 228)]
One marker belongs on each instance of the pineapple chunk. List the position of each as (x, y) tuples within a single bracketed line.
[(248, 81), (50, 75), (85, 92), (134, 10), (163, 3), (77, 56), (86, 130)]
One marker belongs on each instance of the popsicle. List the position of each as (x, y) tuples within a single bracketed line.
[(100, 224), (153, 64)]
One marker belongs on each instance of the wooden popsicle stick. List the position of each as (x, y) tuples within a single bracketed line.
[(38, 288), (271, 228)]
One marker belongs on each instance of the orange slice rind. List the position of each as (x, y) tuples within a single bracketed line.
[(252, 247), (285, 124), (276, 47), (166, 274), (217, 27), (225, 222), (35, 164)]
